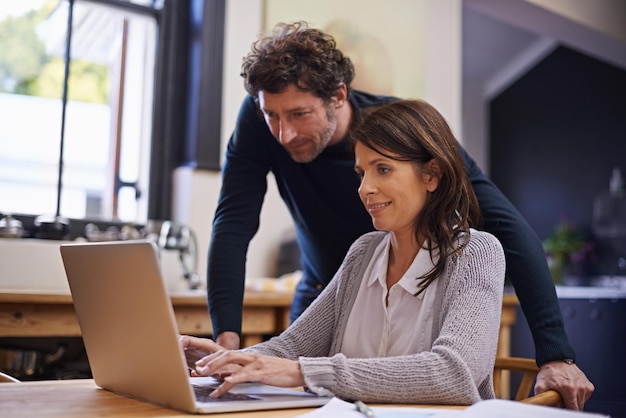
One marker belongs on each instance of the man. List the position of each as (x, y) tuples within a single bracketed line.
[(294, 123)]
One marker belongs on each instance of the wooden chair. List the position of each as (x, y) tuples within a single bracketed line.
[(547, 398), (528, 369), (5, 378)]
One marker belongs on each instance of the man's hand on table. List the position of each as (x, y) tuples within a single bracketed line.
[(568, 380), (229, 340)]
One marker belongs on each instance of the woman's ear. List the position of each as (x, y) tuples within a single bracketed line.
[(432, 174)]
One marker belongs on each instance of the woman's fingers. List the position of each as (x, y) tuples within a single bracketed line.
[(220, 361), (250, 367), (196, 348), (202, 344)]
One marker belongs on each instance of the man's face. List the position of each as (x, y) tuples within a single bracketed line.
[(300, 121)]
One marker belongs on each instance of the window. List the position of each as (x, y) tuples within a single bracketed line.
[(108, 114), (137, 82)]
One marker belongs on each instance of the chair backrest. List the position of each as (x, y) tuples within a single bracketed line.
[(5, 378), (528, 370)]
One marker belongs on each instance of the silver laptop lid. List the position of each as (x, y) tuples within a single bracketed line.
[(127, 322)]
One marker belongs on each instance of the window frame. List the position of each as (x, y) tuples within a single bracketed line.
[(193, 105)]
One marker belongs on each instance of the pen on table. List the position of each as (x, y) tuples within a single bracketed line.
[(364, 409)]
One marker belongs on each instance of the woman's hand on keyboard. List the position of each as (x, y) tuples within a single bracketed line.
[(250, 367), (197, 348)]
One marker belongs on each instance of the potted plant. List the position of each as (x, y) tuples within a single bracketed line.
[(566, 250)]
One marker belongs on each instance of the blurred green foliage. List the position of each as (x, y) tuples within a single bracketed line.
[(564, 241), (26, 69), (567, 251)]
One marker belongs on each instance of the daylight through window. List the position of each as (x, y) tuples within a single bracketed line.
[(108, 116)]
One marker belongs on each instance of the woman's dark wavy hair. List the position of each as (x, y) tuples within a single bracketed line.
[(296, 54), (414, 131)]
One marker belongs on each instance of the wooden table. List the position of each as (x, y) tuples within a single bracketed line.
[(50, 313), (82, 398)]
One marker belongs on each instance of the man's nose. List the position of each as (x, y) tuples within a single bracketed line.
[(286, 132)]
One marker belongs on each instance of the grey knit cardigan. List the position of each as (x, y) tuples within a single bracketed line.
[(457, 370)]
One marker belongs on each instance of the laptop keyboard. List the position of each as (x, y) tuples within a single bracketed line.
[(203, 392)]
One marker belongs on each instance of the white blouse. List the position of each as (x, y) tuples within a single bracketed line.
[(404, 326)]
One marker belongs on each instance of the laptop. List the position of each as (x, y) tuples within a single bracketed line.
[(131, 337)]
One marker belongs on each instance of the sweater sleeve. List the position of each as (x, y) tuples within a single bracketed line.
[(526, 267), (457, 370), (244, 183)]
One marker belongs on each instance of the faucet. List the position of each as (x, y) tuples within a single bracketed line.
[(175, 236)]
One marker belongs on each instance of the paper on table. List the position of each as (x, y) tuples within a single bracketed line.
[(511, 409), (338, 408), (493, 408)]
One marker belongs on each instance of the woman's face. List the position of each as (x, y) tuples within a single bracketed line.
[(393, 192)]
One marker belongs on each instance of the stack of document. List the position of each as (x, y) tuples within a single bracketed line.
[(494, 408)]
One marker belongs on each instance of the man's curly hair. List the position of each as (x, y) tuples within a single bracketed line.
[(299, 55)]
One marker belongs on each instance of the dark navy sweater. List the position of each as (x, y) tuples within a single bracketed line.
[(329, 216)]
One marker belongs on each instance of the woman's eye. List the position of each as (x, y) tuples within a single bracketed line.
[(384, 170)]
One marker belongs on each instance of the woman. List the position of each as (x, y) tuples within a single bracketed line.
[(413, 313)]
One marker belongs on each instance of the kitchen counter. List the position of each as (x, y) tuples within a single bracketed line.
[(36, 264), (590, 292), (45, 313), (50, 313)]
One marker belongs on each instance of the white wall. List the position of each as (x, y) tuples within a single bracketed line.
[(443, 60), (197, 191)]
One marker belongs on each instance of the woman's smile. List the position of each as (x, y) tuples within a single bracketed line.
[(375, 208)]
